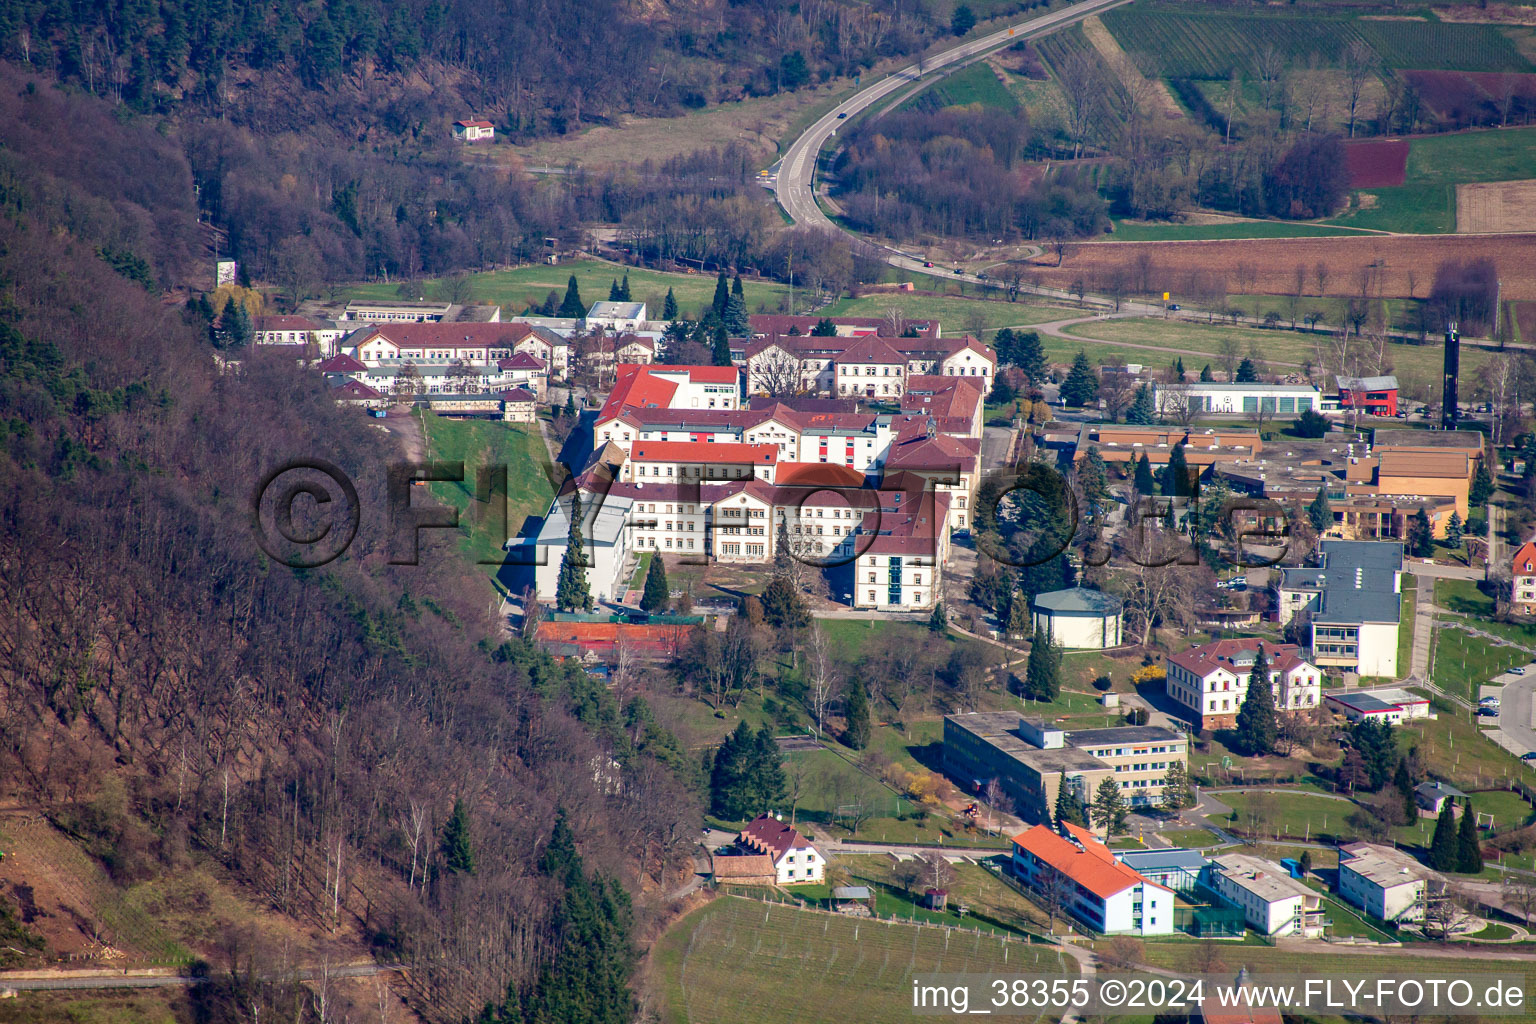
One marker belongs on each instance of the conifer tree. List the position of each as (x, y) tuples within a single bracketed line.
[(1141, 411), (824, 328), (624, 293), (1069, 809), (1453, 530), (1030, 355), (736, 289), (1176, 793), (766, 780), (551, 306), (669, 307), (1093, 477), (1144, 482), (657, 594), (571, 590), (570, 404), (1421, 536), (1206, 376), (1256, 726), (1443, 848), (1042, 678), (735, 318), (1402, 780), (1176, 473), (856, 714), (613, 291), (458, 854), (720, 347), (722, 295), (1018, 616), (1109, 812), (572, 305), (1320, 515), (938, 622), (1469, 853), (730, 774), (1247, 373), (1082, 384), (1482, 485)]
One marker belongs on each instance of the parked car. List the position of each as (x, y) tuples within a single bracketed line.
[(1174, 307), (1487, 711), (1529, 755), (1489, 702), (927, 263), (1518, 670)]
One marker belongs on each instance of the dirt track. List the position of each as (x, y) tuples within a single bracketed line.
[(1272, 262)]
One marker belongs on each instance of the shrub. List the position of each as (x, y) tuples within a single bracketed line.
[(1103, 684)]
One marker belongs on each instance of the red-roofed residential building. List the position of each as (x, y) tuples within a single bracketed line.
[(1098, 890), (795, 859), (663, 387), (1210, 681), (946, 398), (297, 330), (395, 343), (860, 361), (1522, 569), (950, 464), (523, 369), (680, 461)]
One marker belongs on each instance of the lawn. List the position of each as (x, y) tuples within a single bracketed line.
[(1283, 348), (1406, 625), (1283, 815), (1456, 750), (976, 84), (1134, 231), (1461, 662), (1463, 596), (1349, 923), (1506, 807), (515, 289), (736, 961), (956, 314), (1365, 960), (972, 887), (517, 446), (1416, 209), (1500, 154), (1191, 838)]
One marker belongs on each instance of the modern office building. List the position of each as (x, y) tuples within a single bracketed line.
[(1354, 601)]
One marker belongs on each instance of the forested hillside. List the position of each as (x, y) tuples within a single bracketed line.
[(351, 744), (535, 66)]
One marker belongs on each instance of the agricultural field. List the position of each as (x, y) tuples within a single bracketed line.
[(1378, 163), (1494, 206), (1144, 231), (516, 288), (977, 84), (1442, 45), (1407, 209), (1188, 41), (737, 961), (1502, 154), (956, 315), (1172, 40), (1274, 260)]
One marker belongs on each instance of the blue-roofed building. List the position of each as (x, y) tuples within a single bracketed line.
[(1354, 602)]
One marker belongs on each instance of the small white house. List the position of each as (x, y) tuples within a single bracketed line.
[(795, 860), (1384, 881), (616, 316), (474, 131)]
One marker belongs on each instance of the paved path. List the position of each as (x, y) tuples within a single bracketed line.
[(1423, 627), (39, 980)]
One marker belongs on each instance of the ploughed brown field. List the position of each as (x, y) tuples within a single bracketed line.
[(1376, 164), (1267, 266)]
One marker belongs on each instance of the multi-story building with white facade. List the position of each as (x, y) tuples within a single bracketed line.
[(1273, 903), (299, 330), (1101, 892), (1354, 602), (860, 363), (1210, 681), (702, 388), (681, 461), (1385, 882), (795, 858)]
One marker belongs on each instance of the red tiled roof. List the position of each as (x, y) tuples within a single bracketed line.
[(521, 361), (771, 836), (341, 363), (519, 395), (357, 389), (1203, 660), (703, 452), (752, 865), (918, 451), (871, 350), (708, 374), (816, 474), (474, 124), (637, 387), (969, 342), (1524, 560), (1092, 866)]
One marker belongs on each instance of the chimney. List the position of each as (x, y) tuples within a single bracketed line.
[(1449, 412)]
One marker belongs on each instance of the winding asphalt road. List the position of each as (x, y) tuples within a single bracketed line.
[(794, 187)]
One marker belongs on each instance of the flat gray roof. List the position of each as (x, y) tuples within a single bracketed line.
[(1358, 580), (1429, 438), (1362, 702), (1121, 734), (1155, 860), (998, 728)]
